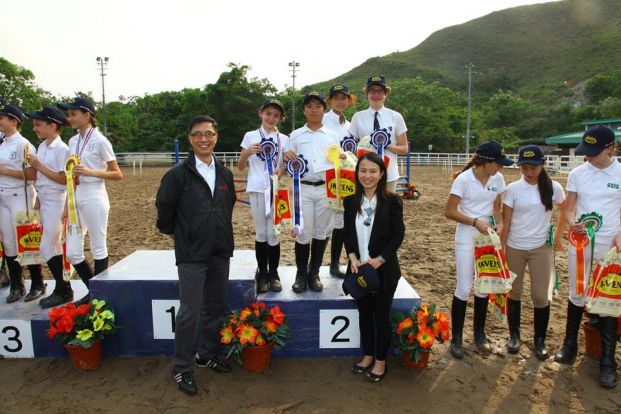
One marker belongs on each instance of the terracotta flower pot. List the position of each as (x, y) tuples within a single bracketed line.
[(85, 359), (412, 364), (592, 341), (257, 358)]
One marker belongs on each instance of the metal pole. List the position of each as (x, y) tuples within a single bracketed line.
[(293, 65), (176, 151), (469, 66), (103, 63)]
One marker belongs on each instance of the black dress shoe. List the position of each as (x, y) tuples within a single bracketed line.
[(371, 377), (55, 300), (15, 295), (336, 271), (185, 382), (84, 300), (359, 369), (35, 293), (213, 363)]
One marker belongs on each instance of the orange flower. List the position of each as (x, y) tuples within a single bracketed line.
[(405, 324), (441, 329), (226, 335), (410, 338), (244, 314), (425, 337), (270, 325), (421, 317), (258, 305), (277, 314), (247, 334), (260, 341)]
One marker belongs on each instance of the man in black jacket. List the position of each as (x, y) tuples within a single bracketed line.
[(195, 206)]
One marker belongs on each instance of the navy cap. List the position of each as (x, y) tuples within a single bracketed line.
[(49, 114), (272, 102), (314, 95), (12, 112), (531, 154), (493, 151), (360, 284), (338, 88), (80, 103), (595, 140), (377, 80)]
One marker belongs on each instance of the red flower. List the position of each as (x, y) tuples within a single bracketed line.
[(278, 316), (260, 341), (83, 309), (425, 337), (52, 333), (246, 334), (244, 314), (226, 335), (405, 324), (270, 325)]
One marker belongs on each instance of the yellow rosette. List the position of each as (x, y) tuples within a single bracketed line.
[(72, 211)]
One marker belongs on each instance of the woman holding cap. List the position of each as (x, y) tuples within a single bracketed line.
[(51, 187), (14, 170), (593, 194), (379, 118), (97, 163), (528, 205), (373, 231), (339, 100), (310, 143), (260, 147), (474, 201)]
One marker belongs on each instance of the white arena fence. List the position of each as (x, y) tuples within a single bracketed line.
[(448, 161)]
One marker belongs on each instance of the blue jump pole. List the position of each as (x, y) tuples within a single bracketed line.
[(407, 164), (176, 151)]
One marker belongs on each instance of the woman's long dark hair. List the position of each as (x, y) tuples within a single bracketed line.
[(474, 162), (544, 182), (383, 196)]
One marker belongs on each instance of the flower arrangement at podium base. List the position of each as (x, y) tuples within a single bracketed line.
[(80, 330), (415, 333), (252, 332)]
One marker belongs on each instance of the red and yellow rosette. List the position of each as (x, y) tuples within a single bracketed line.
[(72, 211)]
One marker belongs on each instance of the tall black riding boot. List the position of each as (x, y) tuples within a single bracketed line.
[(62, 291), (318, 247), (480, 314), (4, 276), (260, 251), (100, 265), (302, 251), (567, 354), (607, 364), (273, 258), (542, 316), (37, 287), (458, 314), (514, 308), (17, 280), (86, 274), (336, 246)]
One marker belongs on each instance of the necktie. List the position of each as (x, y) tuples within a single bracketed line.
[(341, 119), (376, 125)]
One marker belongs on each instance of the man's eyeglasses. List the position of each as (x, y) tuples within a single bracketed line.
[(206, 134), (376, 91)]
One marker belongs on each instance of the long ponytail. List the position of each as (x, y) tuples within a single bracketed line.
[(546, 189), (474, 161)]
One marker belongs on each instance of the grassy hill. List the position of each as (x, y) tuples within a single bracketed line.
[(540, 50)]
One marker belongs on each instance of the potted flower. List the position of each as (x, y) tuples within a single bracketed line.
[(80, 330), (251, 333), (415, 333)]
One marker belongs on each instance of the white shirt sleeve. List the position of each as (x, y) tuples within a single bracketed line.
[(558, 195), (353, 126), (459, 185), (400, 126), (105, 151), (509, 197), (246, 141), (572, 185), (500, 180)]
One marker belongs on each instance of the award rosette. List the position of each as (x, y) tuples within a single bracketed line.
[(282, 209), (297, 168), (67, 268), (73, 222), (349, 144), (492, 271), (593, 222), (380, 140), (553, 288), (269, 155), (341, 181), (604, 292)]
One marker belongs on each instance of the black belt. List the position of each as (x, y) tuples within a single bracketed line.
[(313, 183)]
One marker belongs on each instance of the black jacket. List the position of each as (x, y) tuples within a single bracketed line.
[(201, 222), (386, 237)]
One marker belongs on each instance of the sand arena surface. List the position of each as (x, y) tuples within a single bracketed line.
[(479, 383)]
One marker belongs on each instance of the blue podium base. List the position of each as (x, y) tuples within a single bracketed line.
[(143, 290)]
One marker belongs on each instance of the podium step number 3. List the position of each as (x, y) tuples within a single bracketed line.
[(16, 339)]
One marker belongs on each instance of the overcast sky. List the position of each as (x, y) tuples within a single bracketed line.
[(155, 46)]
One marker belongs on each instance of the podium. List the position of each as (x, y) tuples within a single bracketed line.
[(143, 290)]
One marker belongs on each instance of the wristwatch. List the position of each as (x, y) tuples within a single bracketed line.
[(381, 259)]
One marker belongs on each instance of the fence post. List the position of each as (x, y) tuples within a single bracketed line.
[(176, 151)]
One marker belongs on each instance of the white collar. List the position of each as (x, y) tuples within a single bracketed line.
[(267, 134), (307, 129), (15, 135), (611, 170), (54, 143), (200, 163), (380, 111)]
